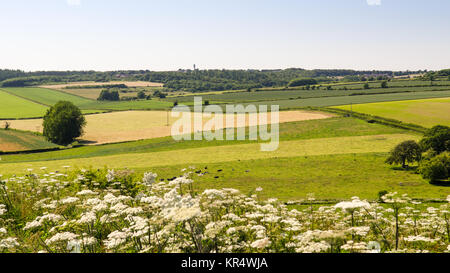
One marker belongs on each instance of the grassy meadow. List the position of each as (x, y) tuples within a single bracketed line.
[(427, 112), (12, 141), (12, 107)]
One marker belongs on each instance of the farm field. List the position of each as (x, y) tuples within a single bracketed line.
[(91, 93), (335, 146), (46, 97), (346, 100), (238, 97), (312, 129), (427, 112), (328, 177), (94, 93), (137, 125), (228, 153), (393, 84), (127, 83), (12, 107), (13, 141)]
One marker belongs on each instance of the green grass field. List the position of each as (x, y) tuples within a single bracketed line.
[(345, 100), (12, 141), (47, 97), (427, 112), (50, 97), (238, 97), (327, 176), (227, 153), (12, 107)]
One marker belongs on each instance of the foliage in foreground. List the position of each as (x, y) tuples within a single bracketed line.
[(110, 211)]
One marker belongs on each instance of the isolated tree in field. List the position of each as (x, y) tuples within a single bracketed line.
[(437, 139), (406, 152), (384, 84), (366, 86), (63, 123)]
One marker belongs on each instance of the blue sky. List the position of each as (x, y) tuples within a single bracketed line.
[(232, 34)]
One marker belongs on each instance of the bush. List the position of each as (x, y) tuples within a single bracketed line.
[(384, 84), (437, 138), (141, 95), (63, 123), (109, 95), (436, 168)]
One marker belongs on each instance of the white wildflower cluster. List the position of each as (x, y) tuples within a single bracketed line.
[(44, 219), (111, 175), (80, 217), (149, 178), (355, 204), (2, 209)]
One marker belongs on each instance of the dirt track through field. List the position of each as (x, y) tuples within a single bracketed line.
[(137, 125)]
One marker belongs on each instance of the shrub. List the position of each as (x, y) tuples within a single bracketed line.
[(109, 95), (63, 122), (141, 95), (436, 168), (437, 138)]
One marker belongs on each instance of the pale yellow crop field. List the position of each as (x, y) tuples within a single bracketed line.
[(137, 125)]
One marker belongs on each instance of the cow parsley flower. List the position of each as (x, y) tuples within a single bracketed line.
[(69, 200), (61, 237), (149, 178), (2, 209), (8, 243), (261, 244)]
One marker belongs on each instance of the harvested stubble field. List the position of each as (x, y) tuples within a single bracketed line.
[(129, 84), (137, 125), (427, 112)]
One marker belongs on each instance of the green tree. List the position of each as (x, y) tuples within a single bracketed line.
[(436, 168), (437, 138), (406, 152), (384, 84), (366, 86), (109, 95), (141, 95), (302, 82), (63, 123)]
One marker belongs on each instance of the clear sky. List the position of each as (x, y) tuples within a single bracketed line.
[(231, 34)]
